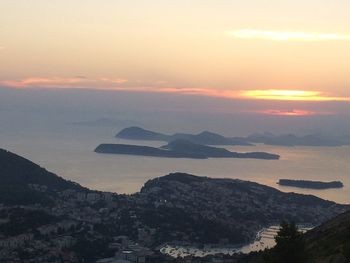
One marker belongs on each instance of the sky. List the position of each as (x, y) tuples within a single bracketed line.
[(288, 51)]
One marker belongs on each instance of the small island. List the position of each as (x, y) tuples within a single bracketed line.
[(310, 184), (181, 149)]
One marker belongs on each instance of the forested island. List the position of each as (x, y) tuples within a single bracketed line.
[(181, 149), (310, 184)]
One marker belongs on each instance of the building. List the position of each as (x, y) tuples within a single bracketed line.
[(17, 241)]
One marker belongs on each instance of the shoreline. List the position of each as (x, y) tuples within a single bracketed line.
[(263, 239)]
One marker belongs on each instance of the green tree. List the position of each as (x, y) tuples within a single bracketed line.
[(290, 247)]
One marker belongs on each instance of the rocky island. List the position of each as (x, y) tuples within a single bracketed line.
[(181, 149), (310, 184)]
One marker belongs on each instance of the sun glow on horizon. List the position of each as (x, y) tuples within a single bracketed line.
[(121, 84), (291, 95)]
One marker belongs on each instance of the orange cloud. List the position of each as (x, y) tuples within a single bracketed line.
[(186, 91), (284, 95), (61, 82), (119, 84)]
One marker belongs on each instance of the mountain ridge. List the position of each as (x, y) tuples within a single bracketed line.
[(205, 137), (18, 177), (210, 138)]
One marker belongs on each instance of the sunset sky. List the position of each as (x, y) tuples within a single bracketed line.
[(293, 50)]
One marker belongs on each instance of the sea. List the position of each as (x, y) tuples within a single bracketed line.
[(68, 151), (265, 238)]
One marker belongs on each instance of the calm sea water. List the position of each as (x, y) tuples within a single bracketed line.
[(68, 152)]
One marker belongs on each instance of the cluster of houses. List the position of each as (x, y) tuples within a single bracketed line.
[(128, 252), (103, 215), (16, 241), (62, 226), (90, 197)]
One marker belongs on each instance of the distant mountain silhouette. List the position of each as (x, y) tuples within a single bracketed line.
[(210, 138), (205, 137), (137, 133)]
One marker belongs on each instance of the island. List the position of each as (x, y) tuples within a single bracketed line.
[(310, 184), (205, 137), (181, 149), (129, 149)]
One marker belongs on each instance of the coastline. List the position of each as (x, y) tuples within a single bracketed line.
[(263, 239)]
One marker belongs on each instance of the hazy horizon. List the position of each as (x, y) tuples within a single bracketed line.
[(25, 109)]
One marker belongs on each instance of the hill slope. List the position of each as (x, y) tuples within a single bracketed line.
[(18, 177), (327, 243), (330, 242)]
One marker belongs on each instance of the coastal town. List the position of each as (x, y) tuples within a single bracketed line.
[(90, 226)]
